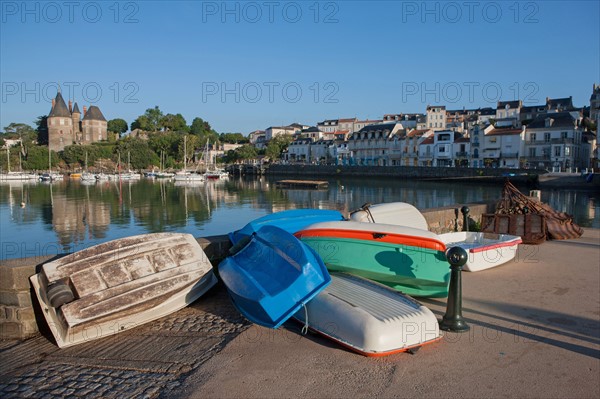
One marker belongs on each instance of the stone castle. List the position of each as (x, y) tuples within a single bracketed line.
[(66, 126)]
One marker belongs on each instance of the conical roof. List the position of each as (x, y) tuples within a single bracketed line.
[(60, 108), (94, 113), (76, 109)]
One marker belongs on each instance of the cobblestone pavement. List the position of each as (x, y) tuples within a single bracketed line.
[(150, 361)]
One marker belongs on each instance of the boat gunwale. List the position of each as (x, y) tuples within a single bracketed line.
[(372, 236)]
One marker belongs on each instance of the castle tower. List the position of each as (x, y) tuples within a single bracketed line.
[(60, 125), (94, 126), (76, 116)]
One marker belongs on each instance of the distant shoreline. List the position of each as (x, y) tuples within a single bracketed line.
[(531, 178)]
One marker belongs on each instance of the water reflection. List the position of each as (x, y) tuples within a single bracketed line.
[(49, 218)]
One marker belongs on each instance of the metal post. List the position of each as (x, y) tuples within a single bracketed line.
[(453, 319), (465, 211)]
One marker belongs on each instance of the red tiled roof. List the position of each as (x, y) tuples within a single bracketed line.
[(417, 132), (428, 140)]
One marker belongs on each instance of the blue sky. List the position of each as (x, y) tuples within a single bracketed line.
[(249, 65)]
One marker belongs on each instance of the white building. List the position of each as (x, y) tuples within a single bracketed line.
[(410, 148), (553, 141), (443, 147), (299, 151), (436, 117), (502, 147), (371, 145), (274, 131)]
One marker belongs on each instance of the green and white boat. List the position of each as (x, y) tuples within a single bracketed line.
[(407, 259)]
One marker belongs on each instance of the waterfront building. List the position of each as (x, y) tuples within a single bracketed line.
[(508, 114), (322, 152), (529, 113), (255, 135), (274, 131), (358, 125), (426, 152), (461, 150), (410, 150), (443, 147), (299, 150), (371, 144), (553, 141), (310, 133), (436, 117), (502, 147), (65, 126), (328, 126), (347, 124), (409, 121)]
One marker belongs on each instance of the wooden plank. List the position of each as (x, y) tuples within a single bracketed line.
[(301, 184)]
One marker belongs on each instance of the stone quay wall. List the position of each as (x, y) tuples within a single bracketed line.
[(409, 172), (20, 313)]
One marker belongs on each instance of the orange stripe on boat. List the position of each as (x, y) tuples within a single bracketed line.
[(496, 246), (390, 238)]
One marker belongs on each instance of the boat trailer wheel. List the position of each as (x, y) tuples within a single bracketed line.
[(59, 293)]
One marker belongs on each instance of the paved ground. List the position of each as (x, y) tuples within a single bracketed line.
[(535, 332)]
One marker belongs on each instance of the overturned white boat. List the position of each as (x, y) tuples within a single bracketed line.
[(485, 250), (118, 285), (369, 318)]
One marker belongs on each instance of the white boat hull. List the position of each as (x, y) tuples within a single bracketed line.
[(485, 250), (398, 213), (369, 318), (121, 284)]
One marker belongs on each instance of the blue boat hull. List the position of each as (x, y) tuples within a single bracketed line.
[(290, 221), (273, 276)]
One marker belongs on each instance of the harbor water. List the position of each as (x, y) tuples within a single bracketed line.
[(44, 219)]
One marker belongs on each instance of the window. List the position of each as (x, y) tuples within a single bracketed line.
[(567, 151), (557, 151), (532, 137), (532, 152), (546, 137), (563, 135)]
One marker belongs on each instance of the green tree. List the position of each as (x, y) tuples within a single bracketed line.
[(141, 123), (192, 143), (117, 125), (233, 138), (245, 152), (37, 158), (174, 123), (137, 152), (199, 127), (168, 143), (150, 121), (277, 145), (42, 129)]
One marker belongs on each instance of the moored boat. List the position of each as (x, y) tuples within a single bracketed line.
[(291, 221), (407, 259), (485, 250), (398, 213), (271, 275), (120, 284), (369, 318)]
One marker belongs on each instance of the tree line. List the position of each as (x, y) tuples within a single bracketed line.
[(155, 140)]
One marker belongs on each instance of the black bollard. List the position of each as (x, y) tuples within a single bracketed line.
[(453, 319), (456, 219), (465, 211)]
